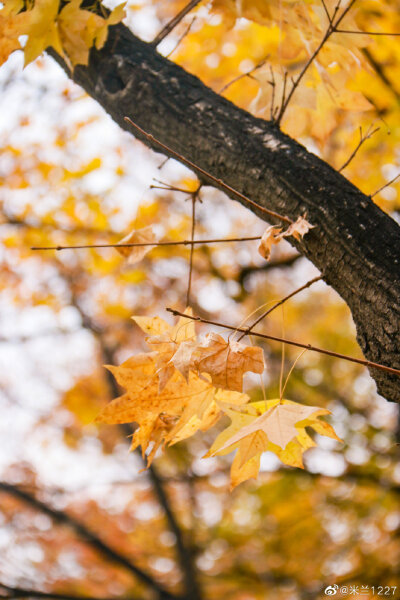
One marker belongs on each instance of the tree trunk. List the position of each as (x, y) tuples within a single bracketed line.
[(354, 244)]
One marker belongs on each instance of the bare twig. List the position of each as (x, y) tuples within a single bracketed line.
[(326, 11), (279, 303), (198, 169), (174, 22), (139, 244), (363, 138), (332, 28), (366, 32), (194, 198), (184, 34), (379, 70), (360, 361), (243, 75), (385, 186), (88, 537)]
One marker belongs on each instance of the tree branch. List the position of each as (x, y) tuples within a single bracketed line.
[(354, 243), (87, 536), (16, 592)]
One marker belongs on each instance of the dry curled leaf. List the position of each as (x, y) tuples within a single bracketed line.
[(135, 254), (273, 235), (167, 416), (298, 229), (226, 362), (164, 341)]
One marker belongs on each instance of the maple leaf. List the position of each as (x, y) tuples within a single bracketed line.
[(135, 254), (226, 362), (277, 426), (39, 24), (80, 29), (170, 415), (165, 341)]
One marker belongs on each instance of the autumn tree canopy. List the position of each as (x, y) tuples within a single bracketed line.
[(290, 109)]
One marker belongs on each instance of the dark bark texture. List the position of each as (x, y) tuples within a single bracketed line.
[(354, 244)]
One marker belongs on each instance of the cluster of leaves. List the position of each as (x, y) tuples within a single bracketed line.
[(185, 384), (70, 30)]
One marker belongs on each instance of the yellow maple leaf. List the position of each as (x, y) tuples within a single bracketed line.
[(40, 25), (170, 415), (226, 362), (276, 426), (165, 341)]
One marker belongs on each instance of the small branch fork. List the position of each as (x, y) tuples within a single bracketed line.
[(215, 180), (363, 138), (174, 22), (279, 303), (360, 361), (332, 28), (243, 75)]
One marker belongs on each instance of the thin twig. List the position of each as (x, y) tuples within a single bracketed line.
[(195, 168), (178, 43), (332, 28), (139, 244), (360, 361), (366, 32), (166, 30), (380, 72), (363, 138), (267, 312), (385, 186), (273, 84), (243, 75), (87, 536), (194, 198), (326, 11)]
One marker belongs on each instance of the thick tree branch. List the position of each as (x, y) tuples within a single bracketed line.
[(88, 536), (354, 244)]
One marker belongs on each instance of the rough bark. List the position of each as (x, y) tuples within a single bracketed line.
[(354, 244)]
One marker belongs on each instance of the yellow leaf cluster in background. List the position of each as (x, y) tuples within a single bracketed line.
[(185, 385), (71, 31)]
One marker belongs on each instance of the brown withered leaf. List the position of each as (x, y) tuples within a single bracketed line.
[(272, 235), (135, 254), (226, 362), (298, 229), (174, 414)]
